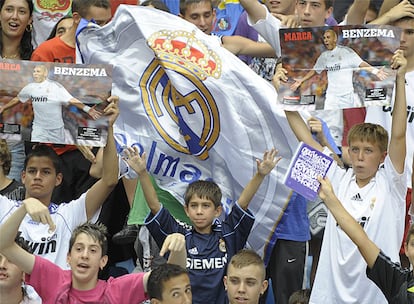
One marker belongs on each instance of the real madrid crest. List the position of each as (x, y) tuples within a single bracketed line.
[(181, 56), (222, 245)]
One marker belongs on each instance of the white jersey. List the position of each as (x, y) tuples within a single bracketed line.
[(382, 116), (47, 99), (53, 246), (380, 208), (339, 64)]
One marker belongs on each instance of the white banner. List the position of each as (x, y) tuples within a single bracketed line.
[(195, 108)]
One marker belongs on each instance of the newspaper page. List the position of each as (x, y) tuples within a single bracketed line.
[(54, 102), (336, 67), (305, 166)]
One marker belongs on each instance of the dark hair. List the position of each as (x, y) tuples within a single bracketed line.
[(328, 3), (158, 4), (82, 6), (41, 150), (5, 156), (300, 297), (185, 3), (25, 47), (159, 276), (96, 231), (203, 189), (54, 30)]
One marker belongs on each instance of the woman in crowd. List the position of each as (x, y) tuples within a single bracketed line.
[(15, 43)]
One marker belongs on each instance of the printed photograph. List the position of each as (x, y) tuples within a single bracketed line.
[(336, 67), (54, 102)]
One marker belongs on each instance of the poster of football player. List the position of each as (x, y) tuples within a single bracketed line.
[(336, 67), (54, 102)]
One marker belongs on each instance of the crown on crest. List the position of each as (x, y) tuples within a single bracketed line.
[(184, 49)]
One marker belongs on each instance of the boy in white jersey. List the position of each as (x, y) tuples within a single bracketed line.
[(374, 194), (383, 115), (47, 97), (40, 176)]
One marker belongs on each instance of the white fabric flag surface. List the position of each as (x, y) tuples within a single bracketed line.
[(195, 109)]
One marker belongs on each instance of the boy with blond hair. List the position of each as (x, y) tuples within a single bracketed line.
[(373, 192)]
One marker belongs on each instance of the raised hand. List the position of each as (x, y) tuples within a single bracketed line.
[(269, 161)]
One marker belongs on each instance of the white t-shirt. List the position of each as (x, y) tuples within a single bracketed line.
[(382, 116), (47, 99), (380, 208), (52, 246)]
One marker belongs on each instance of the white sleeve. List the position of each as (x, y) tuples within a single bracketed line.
[(269, 29), (24, 94), (74, 212)]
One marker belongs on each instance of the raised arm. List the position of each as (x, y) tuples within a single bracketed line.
[(175, 244), (397, 146), (357, 11), (254, 9), (8, 231), (263, 168), (239, 45), (301, 130), (97, 194), (349, 225), (394, 11), (139, 165)]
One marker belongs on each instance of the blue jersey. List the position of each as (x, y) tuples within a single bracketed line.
[(207, 254)]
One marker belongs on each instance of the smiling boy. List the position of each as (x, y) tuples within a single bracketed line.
[(86, 256)]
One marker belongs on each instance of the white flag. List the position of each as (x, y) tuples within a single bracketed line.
[(195, 108)]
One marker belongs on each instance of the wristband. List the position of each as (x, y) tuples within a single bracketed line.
[(375, 71), (86, 108)]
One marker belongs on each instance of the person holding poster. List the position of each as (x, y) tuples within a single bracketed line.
[(47, 97), (339, 62), (373, 194)]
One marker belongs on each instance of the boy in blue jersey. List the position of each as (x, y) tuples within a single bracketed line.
[(210, 243)]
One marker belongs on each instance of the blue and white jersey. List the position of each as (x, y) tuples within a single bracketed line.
[(207, 254)]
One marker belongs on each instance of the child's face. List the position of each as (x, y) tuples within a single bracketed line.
[(176, 290), (244, 285), (202, 212), (40, 178), (11, 276), (365, 159), (200, 14), (407, 37), (85, 259), (312, 12)]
